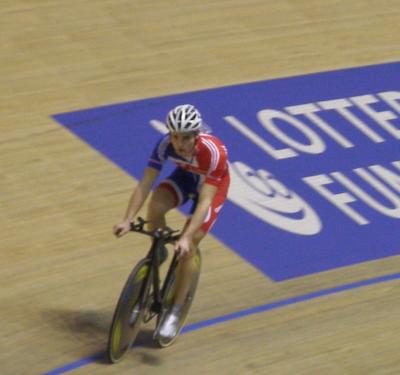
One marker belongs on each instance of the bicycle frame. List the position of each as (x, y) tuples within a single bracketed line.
[(142, 298), (159, 237)]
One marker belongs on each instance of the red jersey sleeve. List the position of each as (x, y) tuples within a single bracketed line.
[(215, 158)]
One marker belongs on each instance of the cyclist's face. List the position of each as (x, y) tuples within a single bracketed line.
[(184, 143)]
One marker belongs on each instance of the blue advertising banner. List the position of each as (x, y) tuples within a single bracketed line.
[(314, 161)]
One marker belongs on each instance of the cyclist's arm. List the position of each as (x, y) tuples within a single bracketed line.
[(206, 197), (141, 192)]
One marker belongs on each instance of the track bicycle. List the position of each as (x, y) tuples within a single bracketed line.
[(144, 296)]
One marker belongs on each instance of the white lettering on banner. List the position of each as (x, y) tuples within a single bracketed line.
[(392, 179), (355, 193), (391, 97), (340, 106), (339, 200), (159, 126), (368, 199), (262, 195), (381, 118), (315, 144), (309, 110), (248, 133)]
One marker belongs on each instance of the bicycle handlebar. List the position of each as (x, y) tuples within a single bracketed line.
[(166, 234)]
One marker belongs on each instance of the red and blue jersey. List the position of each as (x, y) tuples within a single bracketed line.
[(210, 159)]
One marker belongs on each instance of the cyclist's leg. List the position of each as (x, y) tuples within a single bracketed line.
[(186, 279), (188, 267), (162, 200), (170, 193), (187, 275)]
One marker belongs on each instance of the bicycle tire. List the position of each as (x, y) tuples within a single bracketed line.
[(168, 301), (128, 314)]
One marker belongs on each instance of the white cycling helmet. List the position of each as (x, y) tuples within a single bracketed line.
[(184, 118)]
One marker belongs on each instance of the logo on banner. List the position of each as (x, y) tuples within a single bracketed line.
[(262, 195)]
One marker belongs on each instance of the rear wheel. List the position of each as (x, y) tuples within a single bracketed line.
[(129, 311), (168, 300)]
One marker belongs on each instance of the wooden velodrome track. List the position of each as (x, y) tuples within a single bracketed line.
[(61, 268)]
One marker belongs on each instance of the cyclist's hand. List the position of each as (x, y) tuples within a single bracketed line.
[(182, 246), (120, 229)]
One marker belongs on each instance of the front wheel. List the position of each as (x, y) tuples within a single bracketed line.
[(129, 311)]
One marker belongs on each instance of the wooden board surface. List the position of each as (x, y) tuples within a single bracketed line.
[(62, 270)]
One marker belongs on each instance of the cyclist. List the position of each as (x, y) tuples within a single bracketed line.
[(201, 175)]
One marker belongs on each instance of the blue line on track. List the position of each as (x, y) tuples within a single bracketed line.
[(254, 310)]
